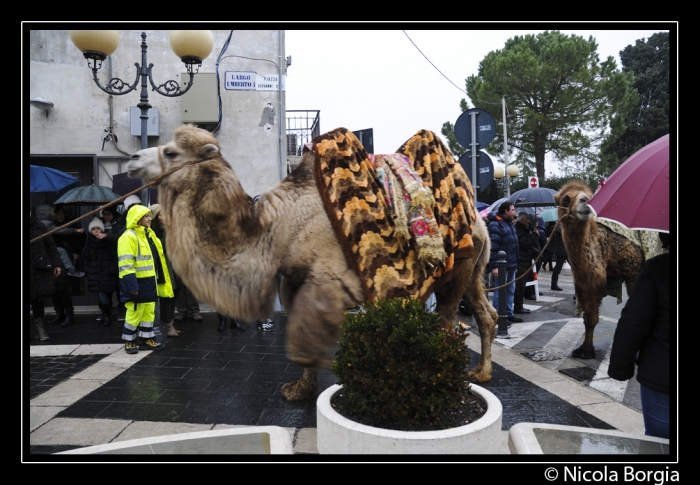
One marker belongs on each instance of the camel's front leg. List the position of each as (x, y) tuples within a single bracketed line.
[(313, 328), (303, 389)]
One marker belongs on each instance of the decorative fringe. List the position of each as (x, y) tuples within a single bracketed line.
[(411, 202)]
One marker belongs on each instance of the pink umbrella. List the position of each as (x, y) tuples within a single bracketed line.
[(637, 193)]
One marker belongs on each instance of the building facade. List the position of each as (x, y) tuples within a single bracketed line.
[(90, 134)]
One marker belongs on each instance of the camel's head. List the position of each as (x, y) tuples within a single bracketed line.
[(190, 144), (572, 201)]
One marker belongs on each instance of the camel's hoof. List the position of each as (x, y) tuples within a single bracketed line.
[(582, 353), (480, 377), (296, 391)]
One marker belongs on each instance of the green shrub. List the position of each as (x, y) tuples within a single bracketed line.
[(397, 364)]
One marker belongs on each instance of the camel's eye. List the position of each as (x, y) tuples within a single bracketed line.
[(169, 153), (566, 200)]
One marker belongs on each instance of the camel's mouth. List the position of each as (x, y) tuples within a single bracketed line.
[(585, 212)]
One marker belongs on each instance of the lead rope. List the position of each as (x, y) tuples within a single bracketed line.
[(534, 263), (155, 180)]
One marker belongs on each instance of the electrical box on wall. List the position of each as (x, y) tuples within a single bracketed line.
[(153, 121), (200, 104)]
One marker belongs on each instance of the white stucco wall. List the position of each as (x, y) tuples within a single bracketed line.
[(76, 125)]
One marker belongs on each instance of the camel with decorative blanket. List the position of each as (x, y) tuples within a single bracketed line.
[(327, 228)]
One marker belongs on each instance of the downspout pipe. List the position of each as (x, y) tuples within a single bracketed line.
[(282, 144)]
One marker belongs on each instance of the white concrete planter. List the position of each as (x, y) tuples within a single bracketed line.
[(336, 434)]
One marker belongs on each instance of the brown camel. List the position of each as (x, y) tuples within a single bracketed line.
[(229, 249), (599, 257)]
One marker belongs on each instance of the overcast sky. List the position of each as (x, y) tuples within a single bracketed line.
[(379, 79)]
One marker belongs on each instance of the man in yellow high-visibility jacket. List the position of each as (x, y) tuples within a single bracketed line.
[(140, 272)]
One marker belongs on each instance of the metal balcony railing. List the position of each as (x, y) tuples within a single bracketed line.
[(302, 127)]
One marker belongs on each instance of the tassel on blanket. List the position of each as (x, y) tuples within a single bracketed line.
[(412, 202)]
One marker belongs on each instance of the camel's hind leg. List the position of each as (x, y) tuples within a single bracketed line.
[(476, 300), (486, 318)]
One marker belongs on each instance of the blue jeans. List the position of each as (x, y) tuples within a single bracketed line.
[(510, 293), (655, 408)]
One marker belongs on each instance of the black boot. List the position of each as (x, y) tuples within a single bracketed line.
[(238, 326), (106, 318), (69, 319), (555, 279), (60, 316), (101, 320), (222, 322)]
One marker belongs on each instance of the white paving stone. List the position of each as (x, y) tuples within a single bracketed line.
[(46, 350), (77, 431), (150, 429), (65, 393), (96, 349), (39, 415), (618, 415)]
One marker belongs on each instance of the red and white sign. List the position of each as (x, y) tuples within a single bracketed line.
[(534, 182)]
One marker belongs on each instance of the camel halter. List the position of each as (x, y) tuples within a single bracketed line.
[(157, 179)]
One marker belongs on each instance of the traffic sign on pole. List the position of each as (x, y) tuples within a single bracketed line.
[(486, 128), (534, 182), (474, 129)]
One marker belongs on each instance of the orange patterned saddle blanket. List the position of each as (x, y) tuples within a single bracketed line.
[(355, 200)]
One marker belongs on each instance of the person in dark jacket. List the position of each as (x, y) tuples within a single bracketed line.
[(548, 255), (642, 337), (109, 217), (45, 265), (538, 223), (100, 264), (560, 255), (504, 238), (542, 233), (62, 297), (528, 245)]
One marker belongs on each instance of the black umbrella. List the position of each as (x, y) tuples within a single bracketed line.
[(537, 197)]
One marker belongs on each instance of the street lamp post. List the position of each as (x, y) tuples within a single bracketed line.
[(192, 46), (512, 171)]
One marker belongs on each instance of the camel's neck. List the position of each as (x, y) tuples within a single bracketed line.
[(576, 236), (225, 247)]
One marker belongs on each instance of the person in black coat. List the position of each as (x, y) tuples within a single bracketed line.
[(100, 264), (560, 255), (643, 337), (542, 233), (44, 266), (61, 296), (528, 244)]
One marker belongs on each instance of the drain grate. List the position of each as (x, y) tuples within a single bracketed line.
[(582, 374), (541, 356)]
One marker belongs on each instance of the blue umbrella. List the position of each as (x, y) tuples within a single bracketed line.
[(550, 215), (45, 179)]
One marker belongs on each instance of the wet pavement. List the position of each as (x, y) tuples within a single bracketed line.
[(207, 378)]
